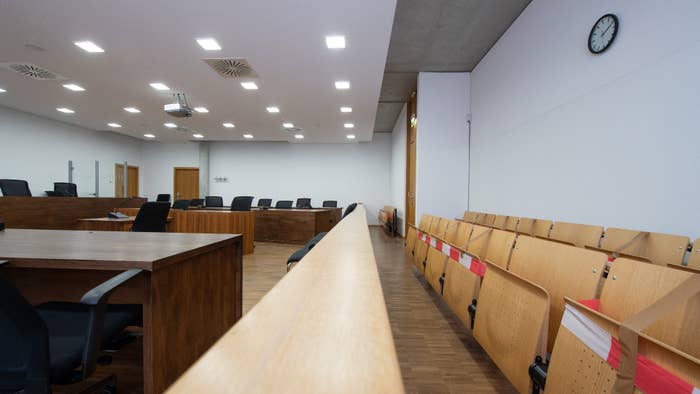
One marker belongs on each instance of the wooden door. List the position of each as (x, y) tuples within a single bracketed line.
[(186, 181), (132, 186), (411, 127)]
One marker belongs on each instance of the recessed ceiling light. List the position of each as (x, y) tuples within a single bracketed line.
[(201, 110), (345, 109), (288, 125), (115, 125), (335, 42), (170, 125), (197, 136), (74, 87), (89, 46), (228, 125), (299, 136), (273, 110), (132, 110), (159, 86), (350, 136), (342, 85), (249, 85), (348, 125), (248, 136), (149, 136), (2, 90), (209, 44), (65, 110)]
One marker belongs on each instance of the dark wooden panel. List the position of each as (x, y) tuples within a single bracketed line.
[(58, 213), (293, 225)]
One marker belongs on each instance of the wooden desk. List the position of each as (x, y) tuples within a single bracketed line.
[(293, 225), (58, 213), (190, 288), (108, 224), (322, 329)]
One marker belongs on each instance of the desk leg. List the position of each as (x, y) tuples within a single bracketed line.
[(189, 305)]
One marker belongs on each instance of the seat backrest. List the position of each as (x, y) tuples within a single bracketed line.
[(487, 219), (511, 323), (349, 209), (632, 286), (464, 231), (499, 222), (65, 189), (657, 248), (694, 258), (441, 227), (152, 217), (214, 201), (541, 228), (330, 204), (161, 197), (469, 216), (181, 204), (425, 221), (264, 202), (580, 235), (512, 223), (242, 203), (15, 187), (495, 246), (303, 202), (284, 204), (526, 226), (196, 202), (563, 270)]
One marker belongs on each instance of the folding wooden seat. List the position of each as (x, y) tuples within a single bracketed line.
[(541, 228), (492, 245), (512, 223), (581, 235), (511, 323), (526, 226), (563, 270), (437, 228), (499, 222), (436, 259), (412, 233), (461, 285), (694, 258), (469, 216), (632, 286), (486, 219), (656, 248)]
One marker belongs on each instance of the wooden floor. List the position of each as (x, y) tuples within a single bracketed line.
[(436, 352)]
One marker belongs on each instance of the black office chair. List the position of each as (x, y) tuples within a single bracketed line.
[(300, 253), (181, 204), (349, 209), (197, 202), (163, 198), (152, 217), (65, 189), (242, 203), (303, 203), (330, 204), (213, 201), (265, 202), (41, 348), (285, 204), (15, 187)]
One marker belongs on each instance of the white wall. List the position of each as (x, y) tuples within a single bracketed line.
[(353, 172), (38, 149), (442, 144), (610, 139), (398, 168), (159, 159)]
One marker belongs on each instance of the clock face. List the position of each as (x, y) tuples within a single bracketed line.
[(603, 33)]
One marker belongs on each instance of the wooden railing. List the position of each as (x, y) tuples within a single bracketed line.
[(322, 329)]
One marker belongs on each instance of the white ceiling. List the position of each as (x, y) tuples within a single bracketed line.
[(154, 41)]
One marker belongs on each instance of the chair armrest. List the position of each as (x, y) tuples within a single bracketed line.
[(3, 262), (101, 293)]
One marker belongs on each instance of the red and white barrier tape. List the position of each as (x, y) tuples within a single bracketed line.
[(651, 378), (468, 261)]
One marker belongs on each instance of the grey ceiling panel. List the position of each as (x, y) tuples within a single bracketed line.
[(387, 114)]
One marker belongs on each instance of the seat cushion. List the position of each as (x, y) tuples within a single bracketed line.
[(70, 319), (66, 353)]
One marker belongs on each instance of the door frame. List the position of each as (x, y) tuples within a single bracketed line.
[(174, 177), (411, 108)]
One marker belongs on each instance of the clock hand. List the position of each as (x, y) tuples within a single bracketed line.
[(606, 30)]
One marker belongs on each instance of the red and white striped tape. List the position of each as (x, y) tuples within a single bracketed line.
[(650, 378), (468, 261)]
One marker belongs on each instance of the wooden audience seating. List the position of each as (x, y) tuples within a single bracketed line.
[(486, 219), (469, 216), (541, 228), (632, 286), (581, 235), (387, 218), (499, 222), (461, 285), (563, 270), (526, 226), (412, 233), (421, 250), (694, 257), (512, 223), (656, 248), (491, 245), (436, 259), (511, 323)]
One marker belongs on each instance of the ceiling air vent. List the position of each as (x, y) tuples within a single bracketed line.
[(232, 68), (32, 71)]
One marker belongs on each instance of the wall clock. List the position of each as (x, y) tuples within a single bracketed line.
[(603, 33)]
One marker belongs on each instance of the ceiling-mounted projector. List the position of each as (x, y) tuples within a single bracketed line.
[(180, 108)]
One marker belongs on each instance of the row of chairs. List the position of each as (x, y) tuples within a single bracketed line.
[(527, 298), (20, 188), (655, 248), (218, 202)]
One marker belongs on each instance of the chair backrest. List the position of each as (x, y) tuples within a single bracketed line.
[(330, 204), (511, 323), (264, 202), (181, 204), (492, 245), (632, 286), (526, 226), (284, 204), (580, 235), (303, 203), (65, 189), (213, 201), (15, 187), (486, 219), (242, 203), (541, 228), (464, 231), (563, 270), (425, 221), (499, 222), (436, 259), (469, 216), (657, 248), (694, 258), (441, 227), (349, 209), (512, 223), (163, 198), (152, 217), (196, 202)]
